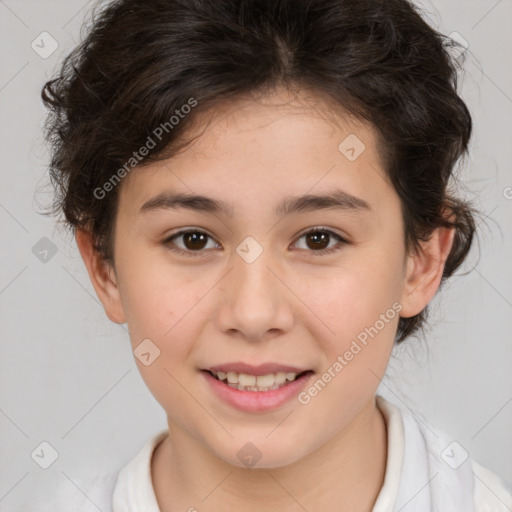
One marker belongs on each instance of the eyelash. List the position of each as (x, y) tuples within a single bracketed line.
[(168, 242)]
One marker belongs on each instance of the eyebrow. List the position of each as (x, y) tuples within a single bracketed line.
[(336, 199)]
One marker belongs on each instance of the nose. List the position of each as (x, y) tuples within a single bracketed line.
[(255, 302)]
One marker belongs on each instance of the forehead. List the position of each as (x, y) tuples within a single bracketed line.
[(258, 118), (267, 147)]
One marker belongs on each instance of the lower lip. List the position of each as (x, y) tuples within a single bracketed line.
[(257, 401)]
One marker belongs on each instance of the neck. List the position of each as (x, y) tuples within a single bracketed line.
[(343, 475)]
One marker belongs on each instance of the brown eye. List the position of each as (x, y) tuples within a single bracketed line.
[(320, 241), (193, 242), (317, 240)]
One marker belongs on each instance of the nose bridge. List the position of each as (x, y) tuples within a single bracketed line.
[(253, 278), (255, 300)]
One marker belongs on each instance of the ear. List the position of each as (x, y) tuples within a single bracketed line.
[(102, 275), (425, 271)]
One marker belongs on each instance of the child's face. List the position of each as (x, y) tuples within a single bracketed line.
[(291, 305)]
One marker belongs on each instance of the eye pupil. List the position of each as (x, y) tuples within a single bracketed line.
[(320, 239), (194, 237)]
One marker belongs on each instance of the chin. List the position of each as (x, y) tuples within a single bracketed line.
[(263, 454)]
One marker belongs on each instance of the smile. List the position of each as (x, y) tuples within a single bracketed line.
[(245, 382), (256, 393)]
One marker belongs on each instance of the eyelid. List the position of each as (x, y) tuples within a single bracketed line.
[(323, 229), (313, 229), (168, 240)]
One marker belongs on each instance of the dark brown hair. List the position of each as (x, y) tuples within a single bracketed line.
[(143, 60)]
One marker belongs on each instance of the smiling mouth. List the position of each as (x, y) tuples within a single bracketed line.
[(269, 382)]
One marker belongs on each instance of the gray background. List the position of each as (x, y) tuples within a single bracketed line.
[(67, 373)]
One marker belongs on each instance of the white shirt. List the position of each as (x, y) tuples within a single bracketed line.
[(419, 477)]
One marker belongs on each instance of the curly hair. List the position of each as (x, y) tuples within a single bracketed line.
[(143, 60)]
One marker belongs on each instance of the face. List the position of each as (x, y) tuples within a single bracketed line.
[(243, 277)]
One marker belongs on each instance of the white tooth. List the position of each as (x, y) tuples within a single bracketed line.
[(265, 381), (253, 382), (250, 388), (232, 377), (280, 377), (246, 380)]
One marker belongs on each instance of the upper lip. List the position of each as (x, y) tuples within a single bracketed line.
[(262, 369)]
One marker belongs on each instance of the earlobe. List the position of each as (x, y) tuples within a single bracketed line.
[(425, 271), (102, 276)]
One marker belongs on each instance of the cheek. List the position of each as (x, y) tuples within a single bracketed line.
[(350, 298), (153, 293), (356, 311), (160, 303), (362, 316), (163, 308)]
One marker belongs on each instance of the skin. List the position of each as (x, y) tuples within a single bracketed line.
[(291, 305)]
